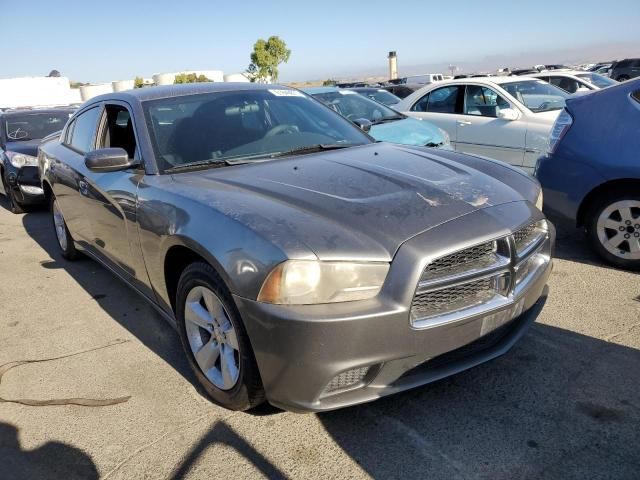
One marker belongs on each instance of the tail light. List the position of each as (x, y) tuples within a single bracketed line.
[(559, 130)]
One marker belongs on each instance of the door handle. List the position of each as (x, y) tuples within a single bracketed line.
[(462, 123)]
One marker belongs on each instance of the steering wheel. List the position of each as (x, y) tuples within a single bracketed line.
[(280, 129), (17, 134), (544, 105)]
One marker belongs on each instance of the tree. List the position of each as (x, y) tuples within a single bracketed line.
[(54, 73), (190, 78), (138, 82), (329, 82), (266, 57)]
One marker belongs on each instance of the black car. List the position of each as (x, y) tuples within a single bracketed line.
[(625, 69), (403, 90), (20, 134)]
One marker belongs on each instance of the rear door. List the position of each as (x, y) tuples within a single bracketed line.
[(481, 132), (441, 107)]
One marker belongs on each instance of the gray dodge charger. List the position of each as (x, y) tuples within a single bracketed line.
[(302, 263)]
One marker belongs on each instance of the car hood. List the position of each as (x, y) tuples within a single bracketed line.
[(360, 202), (408, 131), (29, 147)]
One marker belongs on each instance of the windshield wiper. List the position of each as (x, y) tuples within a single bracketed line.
[(319, 147), (217, 163), (387, 119)]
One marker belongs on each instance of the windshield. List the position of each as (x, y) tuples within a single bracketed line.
[(353, 106), (537, 95), (597, 80), (381, 96), (33, 126), (241, 126)]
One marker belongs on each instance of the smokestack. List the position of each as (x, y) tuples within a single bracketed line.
[(393, 65)]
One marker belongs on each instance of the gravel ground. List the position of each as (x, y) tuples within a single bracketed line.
[(564, 403)]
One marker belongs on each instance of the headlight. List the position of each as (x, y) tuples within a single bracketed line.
[(302, 282), (20, 160), (539, 200)]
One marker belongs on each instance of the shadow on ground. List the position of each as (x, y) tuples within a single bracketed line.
[(559, 405), (51, 460)]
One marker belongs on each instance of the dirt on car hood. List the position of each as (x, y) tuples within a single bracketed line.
[(367, 199)]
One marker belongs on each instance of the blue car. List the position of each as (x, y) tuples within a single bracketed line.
[(380, 121), (591, 173)]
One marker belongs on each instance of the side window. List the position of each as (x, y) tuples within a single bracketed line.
[(421, 105), (566, 84), (118, 130), (83, 130), (636, 95), (483, 101), (440, 100)]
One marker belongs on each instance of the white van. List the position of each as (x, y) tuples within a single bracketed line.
[(425, 79)]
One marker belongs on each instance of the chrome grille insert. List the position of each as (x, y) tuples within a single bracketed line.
[(479, 278)]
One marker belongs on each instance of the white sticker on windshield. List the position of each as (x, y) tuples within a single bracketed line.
[(286, 93), (347, 92)]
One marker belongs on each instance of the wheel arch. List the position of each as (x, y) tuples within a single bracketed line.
[(607, 188), (178, 257)]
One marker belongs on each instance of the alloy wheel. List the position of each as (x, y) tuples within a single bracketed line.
[(618, 229), (212, 337)]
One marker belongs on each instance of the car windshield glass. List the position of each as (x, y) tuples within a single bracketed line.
[(382, 96), (536, 95), (32, 126), (597, 80), (241, 126), (353, 106)]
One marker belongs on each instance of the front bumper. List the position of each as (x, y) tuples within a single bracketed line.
[(301, 349), (25, 184)]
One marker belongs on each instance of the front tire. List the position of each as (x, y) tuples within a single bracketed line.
[(613, 229), (215, 340), (63, 237), (14, 205)]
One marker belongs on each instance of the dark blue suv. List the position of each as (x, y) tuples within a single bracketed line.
[(591, 173)]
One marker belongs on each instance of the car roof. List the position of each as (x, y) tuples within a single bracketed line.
[(559, 72), (167, 91), (485, 80), (22, 111)]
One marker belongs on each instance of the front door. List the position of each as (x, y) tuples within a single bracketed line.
[(481, 132)]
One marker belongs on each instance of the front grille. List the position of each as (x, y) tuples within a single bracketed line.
[(484, 274), (457, 297), (478, 256)]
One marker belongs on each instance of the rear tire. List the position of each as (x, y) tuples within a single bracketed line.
[(212, 330), (622, 78), (613, 229), (63, 237)]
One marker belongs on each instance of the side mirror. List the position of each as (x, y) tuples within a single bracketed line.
[(508, 114), (364, 124), (108, 160)]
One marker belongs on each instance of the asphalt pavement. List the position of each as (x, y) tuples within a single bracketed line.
[(563, 403)]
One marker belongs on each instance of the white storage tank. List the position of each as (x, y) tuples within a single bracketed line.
[(122, 85), (89, 91), (164, 78), (236, 77)]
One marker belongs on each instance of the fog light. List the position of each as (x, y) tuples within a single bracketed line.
[(346, 380)]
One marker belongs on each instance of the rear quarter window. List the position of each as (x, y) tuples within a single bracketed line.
[(636, 96)]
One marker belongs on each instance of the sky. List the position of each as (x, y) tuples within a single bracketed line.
[(92, 41)]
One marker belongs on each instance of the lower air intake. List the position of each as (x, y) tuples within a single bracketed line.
[(346, 379)]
